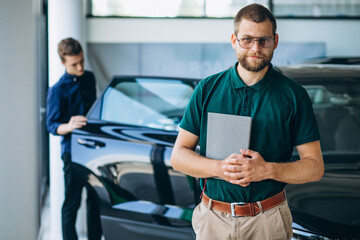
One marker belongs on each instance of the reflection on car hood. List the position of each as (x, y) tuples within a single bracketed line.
[(331, 206), (321, 227)]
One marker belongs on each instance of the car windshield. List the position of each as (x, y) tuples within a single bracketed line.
[(156, 103), (337, 109)]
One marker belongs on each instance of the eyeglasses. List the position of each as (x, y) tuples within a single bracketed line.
[(248, 42)]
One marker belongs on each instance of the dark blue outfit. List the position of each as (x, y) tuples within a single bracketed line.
[(71, 96)]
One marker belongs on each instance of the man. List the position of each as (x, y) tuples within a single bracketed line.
[(67, 103), (282, 117)]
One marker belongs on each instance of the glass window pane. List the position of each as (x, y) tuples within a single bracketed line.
[(146, 8), (105, 7), (170, 8), (224, 8), (191, 8), (316, 8), (228, 8)]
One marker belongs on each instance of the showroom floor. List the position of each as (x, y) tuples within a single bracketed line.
[(45, 231)]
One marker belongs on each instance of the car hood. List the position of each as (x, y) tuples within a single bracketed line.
[(331, 206), (317, 226)]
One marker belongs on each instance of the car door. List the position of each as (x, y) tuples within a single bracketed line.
[(331, 206), (123, 155)]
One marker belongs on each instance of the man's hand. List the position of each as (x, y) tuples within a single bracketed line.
[(249, 166), (74, 123), (241, 169)]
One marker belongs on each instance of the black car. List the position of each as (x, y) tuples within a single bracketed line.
[(335, 60), (123, 155)]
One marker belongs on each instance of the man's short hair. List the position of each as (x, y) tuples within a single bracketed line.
[(256, 13), (70, 47)]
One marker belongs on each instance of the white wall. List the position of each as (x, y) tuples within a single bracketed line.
[(140, 30), (341, 36), (19, 132), (61, 27)]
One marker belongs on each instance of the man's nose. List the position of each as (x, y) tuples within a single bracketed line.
[(256, 45), (80, 67)]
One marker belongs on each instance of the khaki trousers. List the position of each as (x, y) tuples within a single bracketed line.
[(273, 224)]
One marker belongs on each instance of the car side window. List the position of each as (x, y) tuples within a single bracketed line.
[(155, 103), (337, 109)]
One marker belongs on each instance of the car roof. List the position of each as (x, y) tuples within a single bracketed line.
[(309, 72), (154, 77), (336, 60)]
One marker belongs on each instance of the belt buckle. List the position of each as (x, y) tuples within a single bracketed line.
[(233, 204)]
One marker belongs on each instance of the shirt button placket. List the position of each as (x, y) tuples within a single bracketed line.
[(246, 101)]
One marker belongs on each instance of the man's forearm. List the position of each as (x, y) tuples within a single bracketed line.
[(298, 172), (185, 160), (309, 168), (74, 123), (63, 129)]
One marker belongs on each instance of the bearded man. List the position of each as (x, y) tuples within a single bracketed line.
[(243, 195)]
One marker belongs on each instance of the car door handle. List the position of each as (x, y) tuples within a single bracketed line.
[(90, 143)]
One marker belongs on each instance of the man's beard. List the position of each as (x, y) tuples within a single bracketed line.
[(255, 66)]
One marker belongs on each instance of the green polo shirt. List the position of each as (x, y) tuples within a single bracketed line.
[(282, 117)]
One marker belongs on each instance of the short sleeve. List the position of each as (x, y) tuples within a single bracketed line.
[(191, 120), (305, 126)]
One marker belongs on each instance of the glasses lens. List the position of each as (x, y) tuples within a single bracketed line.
[(262, 42), (248, 42), (265, 42)]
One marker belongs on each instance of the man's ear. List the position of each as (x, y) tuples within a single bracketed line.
[(276, 40), (233, 41)]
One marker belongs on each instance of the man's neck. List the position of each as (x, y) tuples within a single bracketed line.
[(251, 78)]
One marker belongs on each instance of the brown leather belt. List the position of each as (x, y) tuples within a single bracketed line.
[(241, 209)]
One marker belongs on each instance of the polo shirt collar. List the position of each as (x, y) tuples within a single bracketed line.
[(260, 86)]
